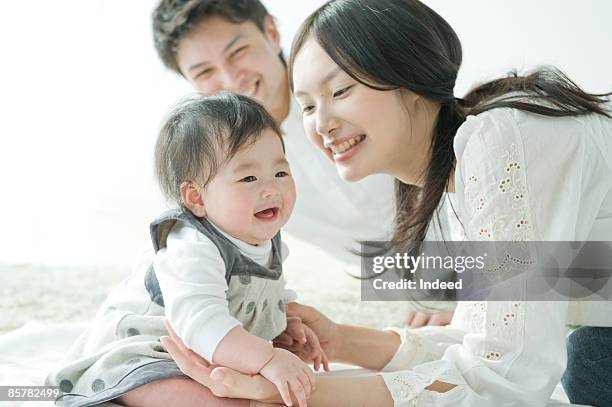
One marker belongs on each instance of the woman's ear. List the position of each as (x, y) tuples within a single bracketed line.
[(272, 34), (410, 98), (192, 199)]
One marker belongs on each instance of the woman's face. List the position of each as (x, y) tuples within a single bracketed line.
[(362, 130)]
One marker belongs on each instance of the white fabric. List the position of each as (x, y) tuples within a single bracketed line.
[(194, 296), (26, 360), (330, 212), (31, 352), (558, 399), (519, 176)]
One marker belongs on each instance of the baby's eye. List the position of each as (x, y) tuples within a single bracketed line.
[(250, 178), (281, 174)]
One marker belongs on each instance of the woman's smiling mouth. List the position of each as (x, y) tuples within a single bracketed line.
[(342, 150)]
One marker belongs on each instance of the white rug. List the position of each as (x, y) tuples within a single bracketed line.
[(43, 309)]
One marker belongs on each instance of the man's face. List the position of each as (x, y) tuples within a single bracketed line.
[(219, 55)]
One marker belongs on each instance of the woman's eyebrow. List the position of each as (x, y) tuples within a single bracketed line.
[(328, 77), (331, 74)]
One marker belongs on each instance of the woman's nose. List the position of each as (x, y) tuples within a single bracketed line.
[(326, 125)]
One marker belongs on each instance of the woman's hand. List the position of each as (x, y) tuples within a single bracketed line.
[(325, 330), (416, 319), (222, 381)]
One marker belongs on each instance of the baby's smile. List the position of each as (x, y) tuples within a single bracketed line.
[(268, 214)]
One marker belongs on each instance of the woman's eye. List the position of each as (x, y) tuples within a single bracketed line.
[(281, 174), (342, 91), (307, 109), (250, 178)]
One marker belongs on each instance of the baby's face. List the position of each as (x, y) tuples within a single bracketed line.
[(253, 194)]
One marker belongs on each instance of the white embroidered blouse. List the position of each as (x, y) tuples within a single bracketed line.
[(519, 176)]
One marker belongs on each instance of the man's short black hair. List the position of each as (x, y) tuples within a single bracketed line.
[(173, 19)]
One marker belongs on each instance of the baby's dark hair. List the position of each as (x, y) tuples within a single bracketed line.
[(201, 134)]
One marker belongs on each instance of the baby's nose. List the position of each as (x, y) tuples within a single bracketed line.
[(269, 193)]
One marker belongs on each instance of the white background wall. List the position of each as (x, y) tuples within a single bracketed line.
[(82, 95)]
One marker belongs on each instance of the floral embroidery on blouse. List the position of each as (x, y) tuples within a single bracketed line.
[(508, 184), (496, 199), (505, 329), (505, 192), (407, 389)]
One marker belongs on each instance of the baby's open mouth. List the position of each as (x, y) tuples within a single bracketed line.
[(267, 214)]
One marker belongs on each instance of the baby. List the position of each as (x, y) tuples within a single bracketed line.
[(218, 261)]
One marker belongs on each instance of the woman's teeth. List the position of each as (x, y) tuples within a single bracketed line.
[(341, 148)]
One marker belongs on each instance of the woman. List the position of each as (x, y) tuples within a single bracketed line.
[(519, 158)]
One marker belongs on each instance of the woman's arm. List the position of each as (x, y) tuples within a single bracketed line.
[(341, 391), (353, 391), (366, 347), (225, 382)]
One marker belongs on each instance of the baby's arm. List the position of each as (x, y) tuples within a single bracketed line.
[(243, 352), (281, 367), (191, 274)]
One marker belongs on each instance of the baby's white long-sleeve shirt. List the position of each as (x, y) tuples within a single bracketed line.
[(191, 275)]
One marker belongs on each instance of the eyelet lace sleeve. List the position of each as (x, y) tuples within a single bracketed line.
[(506, 352)]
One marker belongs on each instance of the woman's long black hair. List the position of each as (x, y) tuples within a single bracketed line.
[(394, 44)]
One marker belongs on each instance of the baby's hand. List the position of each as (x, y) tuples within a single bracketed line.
[(302, 341), (287, 371), (313, 351)]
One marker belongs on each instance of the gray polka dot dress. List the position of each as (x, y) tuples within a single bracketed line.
[(121, 349)]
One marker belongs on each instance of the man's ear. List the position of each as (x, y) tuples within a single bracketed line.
[(272, 33), (192, 199)]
